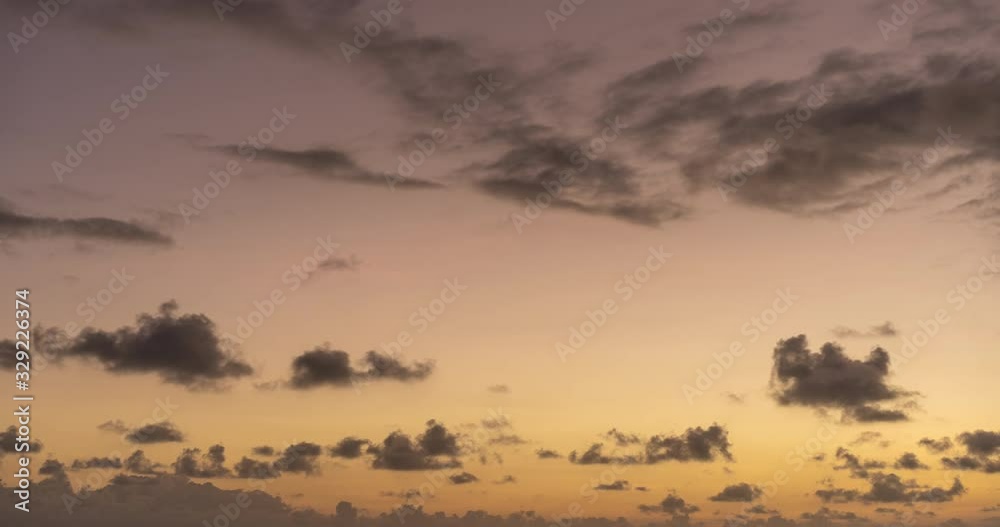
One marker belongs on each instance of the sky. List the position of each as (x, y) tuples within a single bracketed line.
[(304, 262)]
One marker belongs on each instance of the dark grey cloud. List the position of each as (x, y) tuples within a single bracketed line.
[(870, 437), (97, 462), (138, 463), (181, 349), (325, 164), (909, 461), (324, 366), (618, 484), (890, 488), (193, 464), (507, 440), (263, 450), (672, 504), (544, 453), (20, 226), (826, 516), (622, 438), (936, 445), (436, 448), (695, 444), (9, 442), (247, 468), (300, 458), (886, 329), (165, 432), (858, 468), (982, 452), (462, 478), (738, 492), (348, 447), (52, 467), (829, 378), (116, 425)]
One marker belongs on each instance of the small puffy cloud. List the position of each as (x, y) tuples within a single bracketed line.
[(545, 453), (436, 448), (462, 478), (300, 458), (672, 504), (738, 492), (909, 461), (165, 432), (828, 378), (348, 448), (193, 464), (324, 366)]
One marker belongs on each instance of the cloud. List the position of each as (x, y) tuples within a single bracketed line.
[(738, 492), (14, 225), (300, 458), (834, 495), (184, 350), (830, 379), (507, 479), (889, 488), (247, 468), (909, 461), (117, 426), (870, 437), (936, 445), (498, 388), (695, 444), (193, 464), (858, 468), (96, 462), (348, 447), (323, 366), (619, 484), (263, 450), (436, 448), (462, 478), (165, 432), (326, 164), (982, 452), (672, 504), (882, 330), (138, 463), (544, 453), (507, 440)]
